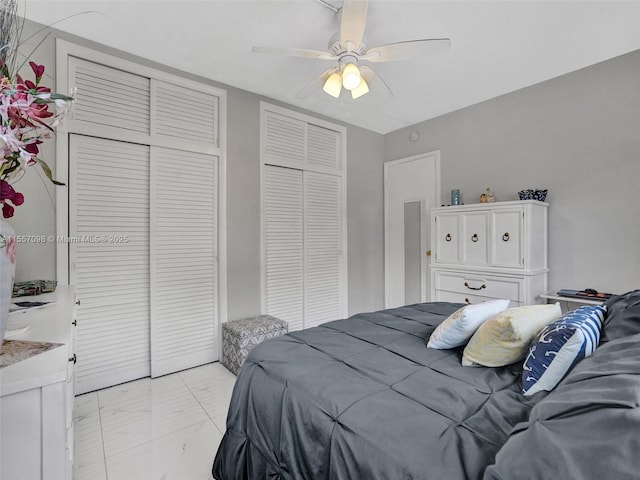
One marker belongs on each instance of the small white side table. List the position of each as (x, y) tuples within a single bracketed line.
[(36, 394), (569, 303)]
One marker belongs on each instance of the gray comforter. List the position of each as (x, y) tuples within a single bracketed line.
[(363, 398), (588, 427)]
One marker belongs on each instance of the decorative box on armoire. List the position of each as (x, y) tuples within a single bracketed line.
[(239, 337), (489, 250)]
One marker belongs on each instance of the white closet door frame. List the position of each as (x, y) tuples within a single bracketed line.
[(341, 172), (65, 50), (424, 247), (414, 189)]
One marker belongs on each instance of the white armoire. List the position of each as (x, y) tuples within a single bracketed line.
[(489, 250)]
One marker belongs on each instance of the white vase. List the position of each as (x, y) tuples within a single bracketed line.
[(7, 270)]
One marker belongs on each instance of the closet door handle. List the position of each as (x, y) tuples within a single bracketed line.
[(448, 237), (505, 237), (474, 238), (73, 359), (466, 284)]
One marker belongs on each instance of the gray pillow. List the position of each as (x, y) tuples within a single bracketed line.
[(623, 317)]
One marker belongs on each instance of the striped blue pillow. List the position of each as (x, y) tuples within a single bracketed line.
[(559, 346)]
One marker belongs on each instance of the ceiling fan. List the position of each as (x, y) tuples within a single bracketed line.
[(348, 48)]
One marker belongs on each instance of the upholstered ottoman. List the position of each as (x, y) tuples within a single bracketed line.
[(239, 337)]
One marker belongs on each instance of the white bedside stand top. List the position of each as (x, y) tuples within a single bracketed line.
[(552, 295), (48, 324)]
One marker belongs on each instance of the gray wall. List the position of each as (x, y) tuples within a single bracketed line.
[(365, 204), (37, 216), (365, 152), (577, 135)]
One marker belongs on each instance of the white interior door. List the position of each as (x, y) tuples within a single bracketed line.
[(323, 286), (414, 179), (183, 251), (302, 240), (303, 197), (283, 243), (144, 212), (109, 253)]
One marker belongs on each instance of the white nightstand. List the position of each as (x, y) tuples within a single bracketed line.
[(569, 303), (36, 394)]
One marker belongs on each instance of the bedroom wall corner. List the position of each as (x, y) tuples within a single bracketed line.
[(365, 219), (243, 204)]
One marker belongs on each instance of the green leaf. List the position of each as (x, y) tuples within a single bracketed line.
[(59, 96), (47, 170)]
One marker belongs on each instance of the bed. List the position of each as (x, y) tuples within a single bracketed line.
[(363, 398)]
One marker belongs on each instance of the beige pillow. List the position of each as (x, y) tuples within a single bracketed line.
[(458, 327), (504, 338)]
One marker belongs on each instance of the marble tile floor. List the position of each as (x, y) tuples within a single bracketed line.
[(166, 428)]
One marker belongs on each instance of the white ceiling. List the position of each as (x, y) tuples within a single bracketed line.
[(497, 46)]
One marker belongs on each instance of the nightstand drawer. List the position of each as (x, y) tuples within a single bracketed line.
[(479, 285)]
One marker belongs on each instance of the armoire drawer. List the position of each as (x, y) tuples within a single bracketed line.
[(459, 297), (479, 285)]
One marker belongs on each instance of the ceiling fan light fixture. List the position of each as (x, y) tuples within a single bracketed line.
[(360, 90), (351, 77), (333, 85), (349, 47)]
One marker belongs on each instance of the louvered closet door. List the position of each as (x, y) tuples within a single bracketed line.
[(284, 139), (322, 246), (109, 218), (184, 305), (323, 148), (109, 97), (283, 244)]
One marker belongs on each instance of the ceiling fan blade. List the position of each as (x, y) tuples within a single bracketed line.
[(354, 19), (316, 84), (405, 50), (295, 52), (377, 86)]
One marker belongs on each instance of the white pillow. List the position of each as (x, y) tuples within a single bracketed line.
[(458, 327), (505, 338)]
